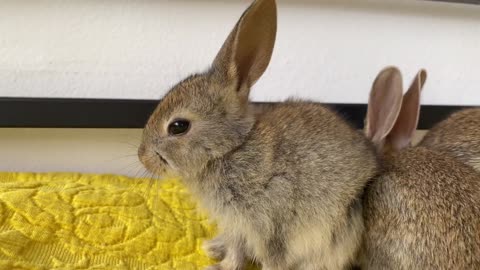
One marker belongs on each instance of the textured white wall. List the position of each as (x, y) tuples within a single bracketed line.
[(326, 50)]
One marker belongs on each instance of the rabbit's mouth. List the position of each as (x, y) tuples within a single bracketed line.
[(162, 159)]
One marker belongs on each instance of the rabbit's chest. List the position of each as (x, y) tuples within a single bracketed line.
[(252, 231)]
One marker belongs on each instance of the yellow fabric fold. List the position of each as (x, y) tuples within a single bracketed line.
[(82, 221)]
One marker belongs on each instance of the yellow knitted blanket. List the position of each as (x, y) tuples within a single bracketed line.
[(78, 221)]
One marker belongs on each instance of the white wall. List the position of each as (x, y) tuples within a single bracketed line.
[(326, 50)]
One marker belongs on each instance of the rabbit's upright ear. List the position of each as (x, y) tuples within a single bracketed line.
[(402, 133), (246, 53), (384, 105)]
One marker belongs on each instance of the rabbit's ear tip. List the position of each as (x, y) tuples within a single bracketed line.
[(423, 74), (391, 69), (389, 73), (421, 78)]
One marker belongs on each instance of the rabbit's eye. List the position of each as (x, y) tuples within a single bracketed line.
[(178, 127)]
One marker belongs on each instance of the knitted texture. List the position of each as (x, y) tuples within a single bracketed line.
[(78, 221)]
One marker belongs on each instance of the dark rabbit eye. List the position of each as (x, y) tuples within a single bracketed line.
[(178, 127)]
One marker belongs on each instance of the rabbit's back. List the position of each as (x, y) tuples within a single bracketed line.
[(312, 142), (306, 144), (423, 213), (459, 136)]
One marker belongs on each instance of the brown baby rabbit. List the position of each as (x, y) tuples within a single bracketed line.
[(458, 135), (284, 185), (423, 211)]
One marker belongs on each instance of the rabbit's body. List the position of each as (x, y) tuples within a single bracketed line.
[(284, 182), (276, 191), (423, 211), (458, 136)]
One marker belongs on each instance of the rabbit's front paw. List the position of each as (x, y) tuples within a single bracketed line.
[(213, 267), (215, 248), (233, 259), (221, 266)]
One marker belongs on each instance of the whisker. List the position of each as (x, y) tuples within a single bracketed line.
[(131, 145)]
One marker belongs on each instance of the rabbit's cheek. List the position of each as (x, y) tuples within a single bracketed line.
[(141, 151)]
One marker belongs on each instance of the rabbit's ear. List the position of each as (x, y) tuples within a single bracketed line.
[(384, 105), (406, 124), (248, 49)]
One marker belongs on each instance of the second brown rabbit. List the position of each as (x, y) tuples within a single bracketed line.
[(423, 212)]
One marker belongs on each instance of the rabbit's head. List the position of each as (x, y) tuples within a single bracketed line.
[(207, 115), (392, 117)]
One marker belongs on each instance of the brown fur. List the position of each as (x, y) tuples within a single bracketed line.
[(283, 182), (423, 211), (458, 136)]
